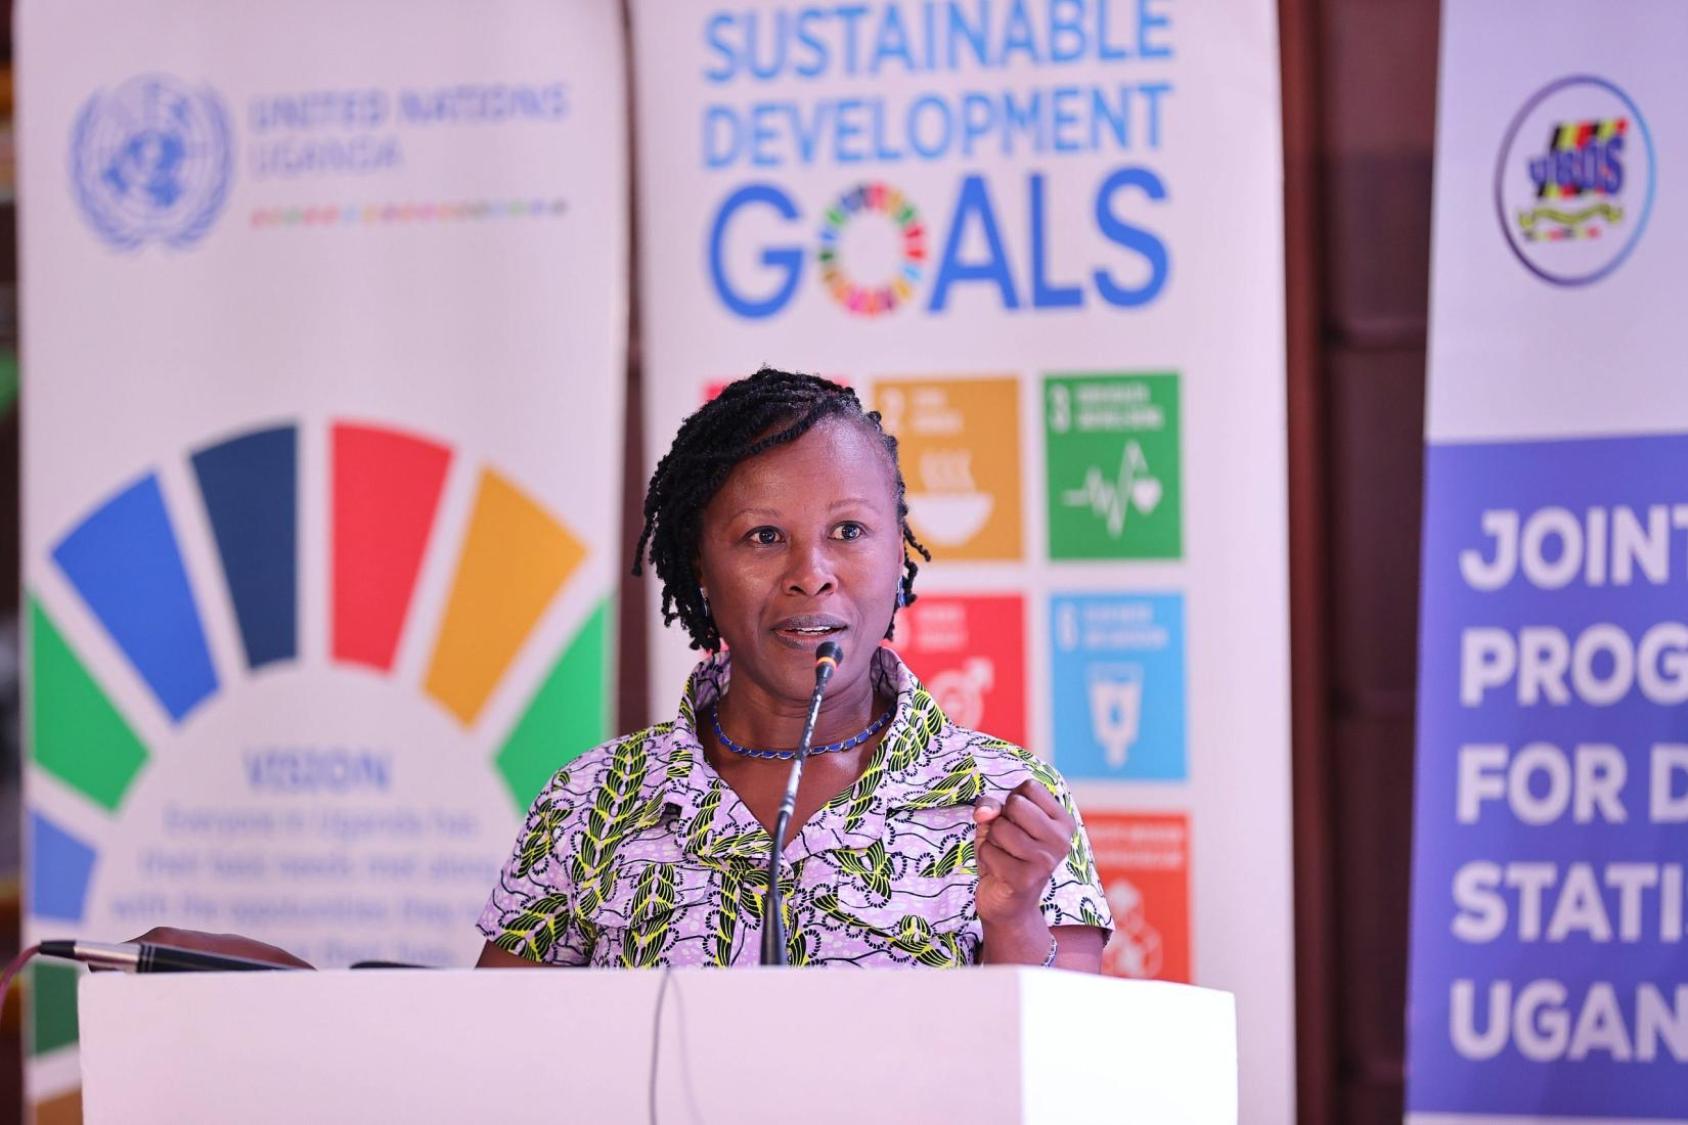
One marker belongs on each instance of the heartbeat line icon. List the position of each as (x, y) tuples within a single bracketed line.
[(1111, 500)]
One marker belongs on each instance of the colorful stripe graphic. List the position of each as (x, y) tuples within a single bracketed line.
[(569, 714), (250, 485), (386, 493), (515, 558), (388, 214), (60, 866), (53, 1020), (61, 1109), (78, 736), (125, 562)]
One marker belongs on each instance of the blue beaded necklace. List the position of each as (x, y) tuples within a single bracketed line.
[(786, 755)]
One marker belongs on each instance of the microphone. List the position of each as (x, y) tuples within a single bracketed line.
[(145, 957), (827, 657)]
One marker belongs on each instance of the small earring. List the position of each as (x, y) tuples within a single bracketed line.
[(902, 592), (703, 595)]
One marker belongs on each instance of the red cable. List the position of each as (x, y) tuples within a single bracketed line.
[(12, 970)]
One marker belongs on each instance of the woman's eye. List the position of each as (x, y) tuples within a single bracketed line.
[(851, 531), (764, 536)]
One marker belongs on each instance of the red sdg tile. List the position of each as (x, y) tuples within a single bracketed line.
[(970, 650), (1144, 862)]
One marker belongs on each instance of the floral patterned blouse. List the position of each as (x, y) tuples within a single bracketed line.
[(638, 854)]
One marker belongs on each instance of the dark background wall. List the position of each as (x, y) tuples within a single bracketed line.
[(1359, 111)]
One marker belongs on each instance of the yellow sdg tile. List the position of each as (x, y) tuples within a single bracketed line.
[(959, 443), (515, 558)]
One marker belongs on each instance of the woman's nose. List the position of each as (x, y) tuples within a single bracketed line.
[(811, 570)]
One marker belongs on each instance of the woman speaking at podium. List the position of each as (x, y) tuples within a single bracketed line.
[(776, 522)]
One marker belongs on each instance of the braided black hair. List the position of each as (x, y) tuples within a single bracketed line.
[(748, 417)]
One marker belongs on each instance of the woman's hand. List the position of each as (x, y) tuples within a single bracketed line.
[(1018, 844), (229, 945)]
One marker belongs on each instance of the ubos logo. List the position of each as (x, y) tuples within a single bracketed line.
[(151, 161), (1574, 185)]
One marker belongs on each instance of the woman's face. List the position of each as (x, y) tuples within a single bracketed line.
[(800, 545)]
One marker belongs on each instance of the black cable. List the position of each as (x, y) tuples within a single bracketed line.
[(656, 1038)]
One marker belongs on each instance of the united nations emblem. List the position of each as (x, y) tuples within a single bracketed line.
[(151, 161)]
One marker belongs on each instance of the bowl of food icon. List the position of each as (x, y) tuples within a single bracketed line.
[(950, 519)]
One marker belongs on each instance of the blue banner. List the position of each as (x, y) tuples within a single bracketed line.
[(1550, 966)]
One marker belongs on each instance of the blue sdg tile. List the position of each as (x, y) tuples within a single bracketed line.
[(1117, 670)]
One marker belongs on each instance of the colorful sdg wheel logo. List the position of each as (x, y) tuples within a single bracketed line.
[(897, 236), (319, 709)]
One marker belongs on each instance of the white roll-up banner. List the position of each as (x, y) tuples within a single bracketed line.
[(1044, 239), (324, 315)]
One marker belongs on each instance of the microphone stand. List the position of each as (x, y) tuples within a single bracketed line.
[(827, 656)]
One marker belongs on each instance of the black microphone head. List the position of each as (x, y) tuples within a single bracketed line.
[(828, 655)]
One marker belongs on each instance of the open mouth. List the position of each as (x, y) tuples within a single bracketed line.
[(808, 630)]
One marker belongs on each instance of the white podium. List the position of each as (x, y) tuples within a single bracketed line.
[(981, 1046)]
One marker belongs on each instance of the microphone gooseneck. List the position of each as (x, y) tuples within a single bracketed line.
[(827, 657)]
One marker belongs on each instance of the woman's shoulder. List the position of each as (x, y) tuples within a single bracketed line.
[(1003, 764), (625, 754)]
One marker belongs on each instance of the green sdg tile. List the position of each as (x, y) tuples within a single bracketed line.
[(79, 736), (569, 713), (52, 1004), (1114, 465)]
